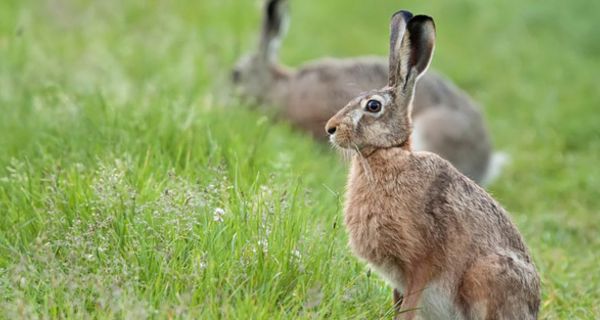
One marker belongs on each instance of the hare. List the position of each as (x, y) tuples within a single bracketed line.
[(447, 121), (448, 249)]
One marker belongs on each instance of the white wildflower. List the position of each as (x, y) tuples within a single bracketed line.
[(296, 254), (266, 191), (264, 245), (218, 215)]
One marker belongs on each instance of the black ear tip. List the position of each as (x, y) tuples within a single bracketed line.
[(420, 20), (272, 6), (275, 11), (404, 14)]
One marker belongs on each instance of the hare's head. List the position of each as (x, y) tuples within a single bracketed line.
[(255, 73), (382, 118)]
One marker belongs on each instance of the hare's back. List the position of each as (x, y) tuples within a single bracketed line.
[(321, 88), (449, 123), (435, 91), (453, 194), (455, 137)]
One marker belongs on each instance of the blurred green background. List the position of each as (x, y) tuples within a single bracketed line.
[(133, 186)]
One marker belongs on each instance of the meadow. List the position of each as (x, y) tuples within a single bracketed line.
[(133, 185)]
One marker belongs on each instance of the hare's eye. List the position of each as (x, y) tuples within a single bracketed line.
[(236, 76), (373, 106)]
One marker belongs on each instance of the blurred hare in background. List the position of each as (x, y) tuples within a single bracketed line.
[(446, 121)]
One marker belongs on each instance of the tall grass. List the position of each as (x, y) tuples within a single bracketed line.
[(133, 186)]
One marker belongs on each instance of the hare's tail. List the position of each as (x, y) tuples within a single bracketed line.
[(498, 161)]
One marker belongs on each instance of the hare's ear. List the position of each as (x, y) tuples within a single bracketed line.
[(397, 29), (410, 58), (274, 27)]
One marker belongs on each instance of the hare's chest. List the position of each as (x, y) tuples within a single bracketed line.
[(362, 225), (379, 223), (373, 238), (372, 230)]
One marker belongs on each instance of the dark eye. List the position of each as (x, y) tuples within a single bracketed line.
[(236, 76), (373, 106)]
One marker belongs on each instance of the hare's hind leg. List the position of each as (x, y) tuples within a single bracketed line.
[(499, 286), (474, 296)]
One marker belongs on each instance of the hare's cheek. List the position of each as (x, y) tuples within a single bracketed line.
[(356, 116), (342, 139), (343, 136)]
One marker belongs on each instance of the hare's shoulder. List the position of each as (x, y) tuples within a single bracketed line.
[(453, 193), (430, 166), (440, 178)]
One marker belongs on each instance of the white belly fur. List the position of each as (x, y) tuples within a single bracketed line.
[(437, 303)]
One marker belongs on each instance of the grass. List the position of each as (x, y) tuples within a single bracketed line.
[(132, 186)]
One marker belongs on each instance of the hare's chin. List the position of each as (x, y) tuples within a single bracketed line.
[(332, 140)]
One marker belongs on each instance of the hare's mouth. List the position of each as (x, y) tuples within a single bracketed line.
[(332, 140), (340, 140)]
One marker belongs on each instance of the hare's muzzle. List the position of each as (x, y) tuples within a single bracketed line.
[(331, 126), (339, 132)]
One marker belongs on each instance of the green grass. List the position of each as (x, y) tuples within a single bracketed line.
[(132, 186)]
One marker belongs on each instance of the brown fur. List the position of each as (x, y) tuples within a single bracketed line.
[(432, 233), (449, 123)]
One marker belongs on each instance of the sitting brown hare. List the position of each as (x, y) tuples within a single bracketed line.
[(448, 249)]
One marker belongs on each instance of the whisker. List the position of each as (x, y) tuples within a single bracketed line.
[(365, 164), (345, 154)]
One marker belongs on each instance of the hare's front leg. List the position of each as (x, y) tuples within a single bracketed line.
[(410, 305), (397, 301), (415, 284)]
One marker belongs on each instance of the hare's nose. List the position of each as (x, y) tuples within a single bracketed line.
[(331, 129), (331, 125)]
